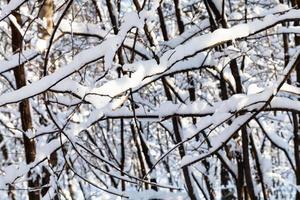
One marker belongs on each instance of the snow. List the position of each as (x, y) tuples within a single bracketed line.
[(95, 30), (290, 29), (78, 101), (17, 59), (8, 8), (169, 58), (277, 140), (254, 89), (277, 9), (219, 5), (218, 141), (290, 88), (267, 95), (150, 194), (187, 34)]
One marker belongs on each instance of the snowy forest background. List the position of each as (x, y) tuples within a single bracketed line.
[(149, 99)]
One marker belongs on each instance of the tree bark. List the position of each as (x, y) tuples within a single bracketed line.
[(25, 113)]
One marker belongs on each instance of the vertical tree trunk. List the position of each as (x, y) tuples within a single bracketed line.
[(245, 165), (225, 178), (115, 24), (11, 188), (296, 117), (122, 160), (139, 153), (176, 127), (178, 16), (46, 14), (25, 114), (185, 170)]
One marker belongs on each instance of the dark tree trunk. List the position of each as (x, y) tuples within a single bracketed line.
[(24, 108)]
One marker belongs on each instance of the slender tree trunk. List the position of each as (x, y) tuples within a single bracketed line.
[(122, 160), (259, 168), (11, 188), (46, 15), (295, 116), (24, 108), (239, 89), (139, 153), (115, 24), (178, 16), (214, 17), (185, 170), (296, 120), (175, 120)]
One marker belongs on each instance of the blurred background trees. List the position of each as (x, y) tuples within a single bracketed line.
[(144, 99)]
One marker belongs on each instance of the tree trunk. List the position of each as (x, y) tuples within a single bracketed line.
[(24, 108)]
